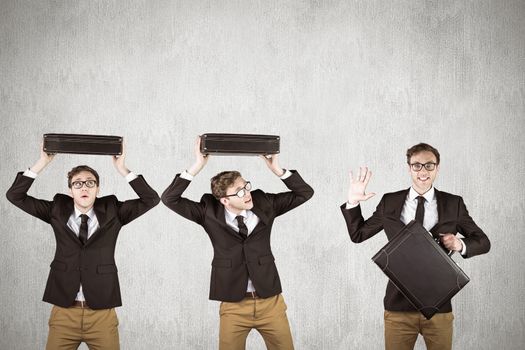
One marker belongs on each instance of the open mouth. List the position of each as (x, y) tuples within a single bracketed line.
[(84, 196), (248, 201), (423, 179)]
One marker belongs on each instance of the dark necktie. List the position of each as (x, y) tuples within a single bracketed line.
[(243, 230), (420, 211), (83, 232)]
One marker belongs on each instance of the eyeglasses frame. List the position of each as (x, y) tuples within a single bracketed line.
[(247, 184)]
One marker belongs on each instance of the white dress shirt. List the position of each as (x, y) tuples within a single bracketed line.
[(431, 212)]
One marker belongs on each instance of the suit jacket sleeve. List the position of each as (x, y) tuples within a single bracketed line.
[(360, 229), (172, 198), (17, 194), (131, 209), (285, 201), (475, 239)]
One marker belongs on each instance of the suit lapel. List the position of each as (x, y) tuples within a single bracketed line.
[(65, 213), (441, 212), (220, 217), (102, 217), (262, 214), (399, 203), (259, 210)]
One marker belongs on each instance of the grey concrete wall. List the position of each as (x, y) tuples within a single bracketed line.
[(344, 83)]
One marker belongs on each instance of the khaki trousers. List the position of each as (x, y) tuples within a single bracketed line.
[(267, 316), (402, 329), (68, 327)]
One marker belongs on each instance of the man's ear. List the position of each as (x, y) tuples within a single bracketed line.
[(224, 201), (71, 192)]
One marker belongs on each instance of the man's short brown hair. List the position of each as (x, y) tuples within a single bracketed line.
[(221, 182), (422, 147), (79, 169)]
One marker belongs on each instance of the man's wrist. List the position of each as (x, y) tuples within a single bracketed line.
[(463, 250), (195, 168), (38, 166)]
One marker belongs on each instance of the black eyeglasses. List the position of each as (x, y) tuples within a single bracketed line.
[(428, 166), (89, 184), (242, 192)]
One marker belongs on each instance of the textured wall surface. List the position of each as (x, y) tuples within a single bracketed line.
[(344, 83)]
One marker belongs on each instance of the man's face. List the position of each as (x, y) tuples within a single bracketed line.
[(234, 203), (422, 180), (84, 197)]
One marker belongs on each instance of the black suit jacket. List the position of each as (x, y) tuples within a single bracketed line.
[(235, 260), (92, 265), (453, 217)]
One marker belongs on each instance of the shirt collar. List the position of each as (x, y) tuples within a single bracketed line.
[(231, 216), (429, 195), (90, 213)]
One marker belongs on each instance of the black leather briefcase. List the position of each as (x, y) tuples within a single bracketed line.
[(420, 269), (247, 144), (83, 144)]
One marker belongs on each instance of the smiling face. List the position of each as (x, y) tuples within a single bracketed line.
[(423, 179), (84, 197), (234, 203)]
